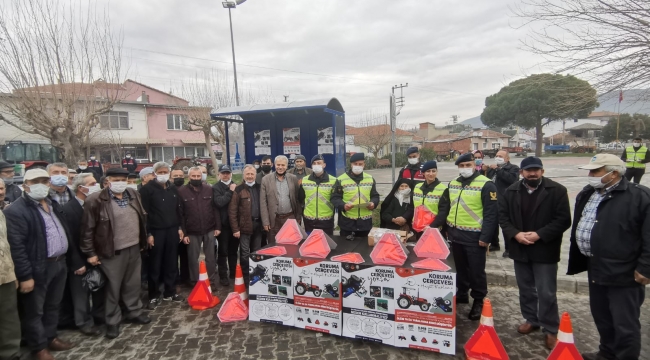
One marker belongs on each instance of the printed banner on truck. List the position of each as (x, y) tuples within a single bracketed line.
[(291, 140), (262, 142), (325, 141)]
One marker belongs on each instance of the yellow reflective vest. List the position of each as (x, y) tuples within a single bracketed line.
[(317, 199), (637, 156), (430, 200), (466, 211), (356, 194)]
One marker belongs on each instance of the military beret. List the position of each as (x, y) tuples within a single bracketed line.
[(464, 158), (429, 165), (412, 150), (357, 157), (317, 157)]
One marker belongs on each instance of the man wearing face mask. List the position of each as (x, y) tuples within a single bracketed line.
[(355, 196), (610, 239), (7, 174), (534, 213), (315, 196), (78, 307), (178, 178), (59, 190), (39, 239), (503, 174), (114, 232), (256, 165), (635, 157), (146, 175), (228, 244), (204, 173), (129, 163), (245, 217), (300, 169), (279, 198), (433, 194), (82, 168), (473, 219), (267, 166), (96, 167), (412, 171), (160, 201)]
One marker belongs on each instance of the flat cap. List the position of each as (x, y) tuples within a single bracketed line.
[(146, 171), (5, 165), (464, 158), (117, 172), (357, 157)]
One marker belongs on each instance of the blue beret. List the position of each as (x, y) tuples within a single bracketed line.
[(429, 165), (412, 150), (357, 157), (317, 157), (464, 158)]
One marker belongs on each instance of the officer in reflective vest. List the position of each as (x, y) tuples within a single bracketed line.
[(472, 221), (355, 197), (430, 192), (315, 196), (635, 157), (413, 170)]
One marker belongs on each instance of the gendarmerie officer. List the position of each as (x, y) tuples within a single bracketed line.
[(315, 195), (430, 193)]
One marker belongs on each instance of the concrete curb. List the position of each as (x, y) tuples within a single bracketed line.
[(565, 283)]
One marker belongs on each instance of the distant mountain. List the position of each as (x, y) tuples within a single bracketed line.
[(475, 122)]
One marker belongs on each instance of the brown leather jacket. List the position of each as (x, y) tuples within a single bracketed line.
[(239, 210), (98, 223)]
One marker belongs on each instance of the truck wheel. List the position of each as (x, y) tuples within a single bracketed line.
[(184, 165), (300, 290), (212, 171)]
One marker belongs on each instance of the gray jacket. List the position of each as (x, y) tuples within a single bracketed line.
[(269, 198), (7, 273)]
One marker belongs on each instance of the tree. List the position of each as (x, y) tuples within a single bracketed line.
[(603, 41), (376, 134), (60, 68), (537, 100), (630, 126)]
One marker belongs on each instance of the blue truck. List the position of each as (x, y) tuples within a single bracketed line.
[(554, 149)]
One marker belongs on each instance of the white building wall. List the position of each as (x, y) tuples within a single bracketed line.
[(137, 125)]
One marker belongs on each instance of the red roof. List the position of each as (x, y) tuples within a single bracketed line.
[(375, 129)]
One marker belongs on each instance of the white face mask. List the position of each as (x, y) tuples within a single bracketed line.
[(38, 191), (466, 172), (250, 183), (636, 144), (500, 161), (597, 182), (92, 189), (227, 182), (83, 167), (92, 158), (162, 178), (413, 161), (405, 191), (118, 187), (256, 167), (357, 170), (318, 169), (204, 177), (132, 186)]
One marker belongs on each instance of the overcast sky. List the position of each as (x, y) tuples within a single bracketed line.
[(452, 53)]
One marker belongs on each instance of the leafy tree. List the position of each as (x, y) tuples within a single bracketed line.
[(537, 100), (427, 154), (630, 126)]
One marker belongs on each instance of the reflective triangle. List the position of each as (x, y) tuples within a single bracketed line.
[(422, 217), (431, 245), (431, 264), (290, 233), (317, 245), (352, 257), (564, 351), (485, 345), (233, 309), (389, 251), (273, 250), (201, 297)]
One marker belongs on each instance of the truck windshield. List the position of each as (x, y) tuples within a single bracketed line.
[(16, 153)]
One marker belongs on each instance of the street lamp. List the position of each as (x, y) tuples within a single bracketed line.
[(231, 5)]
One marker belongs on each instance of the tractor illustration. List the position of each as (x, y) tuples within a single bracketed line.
[(354, 285), (332, 290), (259, 274), (405, 300), (302, 287), (413, 338), (443, 304), (301, 319), (401, 337)]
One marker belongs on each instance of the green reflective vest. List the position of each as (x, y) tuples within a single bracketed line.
[(356, 194), (637, 156), (317, 199), (429, 200), (466, 211)]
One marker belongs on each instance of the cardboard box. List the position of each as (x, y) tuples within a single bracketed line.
[(375, 234), (270, 291)]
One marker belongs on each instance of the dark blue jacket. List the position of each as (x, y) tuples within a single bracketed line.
[(26, 235)]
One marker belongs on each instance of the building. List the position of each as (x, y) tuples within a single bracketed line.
[(367, 139), (428, 131)]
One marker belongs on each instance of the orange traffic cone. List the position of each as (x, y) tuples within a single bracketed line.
[(201, 296), (240, 287), (485, 343), (565, 348)]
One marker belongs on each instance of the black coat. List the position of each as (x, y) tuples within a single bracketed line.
[(504, 176), (222, 197), (74, 212), (620, 238), (552, 217), (162, 205), (26, 235), (13, 193)]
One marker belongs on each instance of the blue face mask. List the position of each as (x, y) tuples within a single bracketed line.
[(478, 161), (59, 180)]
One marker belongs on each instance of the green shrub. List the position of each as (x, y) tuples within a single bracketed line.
[(400, 159), (427, 154)]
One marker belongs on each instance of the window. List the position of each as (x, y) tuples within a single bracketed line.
[(484, 145), (475, 146), (495, 145), (200, 151), (176, 122), (114, 120)]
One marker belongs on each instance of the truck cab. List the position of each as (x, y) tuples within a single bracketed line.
[(28, 154)]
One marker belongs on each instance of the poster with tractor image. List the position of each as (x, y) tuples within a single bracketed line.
[(317, 295), (369, 302), (270, 289), (425, 310)]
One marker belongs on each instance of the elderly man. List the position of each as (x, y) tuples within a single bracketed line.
[(96, 167), (79, 298), (432, 193), (315, 197), (534, 213), (279, 198), (39, 239), (300, 169), (59, 190), (472, 220), (610, 239), (7, 174), (204, 173), (146, 175), (72, 174), (9, 321), (503, 174), (245, 217), (201, 223), (355, 196), (178, 179), (3, 195), (160, 201), (228, 244), (412, 171), (267, 166), (113, 234)]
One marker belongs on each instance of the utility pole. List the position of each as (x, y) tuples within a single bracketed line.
[(286, 97), (396, 105)]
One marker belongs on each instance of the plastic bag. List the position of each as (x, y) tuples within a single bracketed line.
[(422, 217), (93, 280)]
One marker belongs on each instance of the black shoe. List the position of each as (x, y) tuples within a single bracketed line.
[(224, 281), (477, 309), (90, 330), (153, 304), (112, 331), (462, 300), (495, 247), (506, 254), (593, 356), (174, 298), (142, 320)]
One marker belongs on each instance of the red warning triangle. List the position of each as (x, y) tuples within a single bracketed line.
[(233, 309), (352, 257), (431, 264), (564, 351), (273, 250), (290, 233), (389, 251), (431, 245), (485, 345), (201, 297), (422, 217), (317, 245)]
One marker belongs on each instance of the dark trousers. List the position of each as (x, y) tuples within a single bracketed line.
[(358, 234), (9, 322), (636, 173), (122, 284), (616, 311), (470, 267), (144, 269), (184, 268), (495, 239), (249, 243), (310, 226), (227, 253), (77, 305), (41, 306), (163, 262), (537, 284), (277, 225)]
